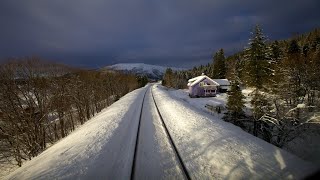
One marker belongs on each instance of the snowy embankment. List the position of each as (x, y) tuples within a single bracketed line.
[(212, 148), (101, 148)]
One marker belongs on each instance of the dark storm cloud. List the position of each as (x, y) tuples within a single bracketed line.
[(182, 32)]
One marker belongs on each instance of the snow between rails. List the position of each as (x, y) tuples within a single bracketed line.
[(212, 148)]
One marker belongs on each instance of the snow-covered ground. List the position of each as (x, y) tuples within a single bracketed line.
[(156, 158), (103, 148), (306, 145), (212, 148), (202, 103), (7, 165)]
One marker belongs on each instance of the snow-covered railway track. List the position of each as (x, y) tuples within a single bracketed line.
[(141, 147), (174, 147), (137, 139)]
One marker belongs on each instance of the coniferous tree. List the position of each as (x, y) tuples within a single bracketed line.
[(235, 105), (276, 52), (259, 73), (285, 73), (219, 65), (258, 70), (260, 107), (234, 67)]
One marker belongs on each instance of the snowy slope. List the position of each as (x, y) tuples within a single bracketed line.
[(151, 71), (214, 149), (102, 147)]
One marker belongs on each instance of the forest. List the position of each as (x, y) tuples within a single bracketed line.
[(284, 76), (42, 102)]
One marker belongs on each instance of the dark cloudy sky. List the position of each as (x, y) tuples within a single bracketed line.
[(180, 33)]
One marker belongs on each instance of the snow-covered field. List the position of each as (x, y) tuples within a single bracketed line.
[(103, 148)]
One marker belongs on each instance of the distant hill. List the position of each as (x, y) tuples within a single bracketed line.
[(151, 71)]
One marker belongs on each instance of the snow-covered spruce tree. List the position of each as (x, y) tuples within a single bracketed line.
[(258, 62), (219, 66), (259, 73), (235, 105)]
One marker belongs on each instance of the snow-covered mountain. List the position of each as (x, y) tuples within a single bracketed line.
[(151, 71)]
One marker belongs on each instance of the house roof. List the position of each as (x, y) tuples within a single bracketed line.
[(222, 82), (196, 80)]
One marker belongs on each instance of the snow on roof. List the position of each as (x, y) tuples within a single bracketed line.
[(198, 79), (193, 79), (222, 82)]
